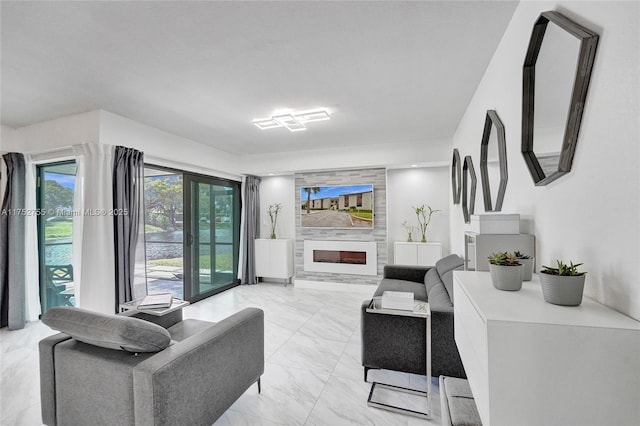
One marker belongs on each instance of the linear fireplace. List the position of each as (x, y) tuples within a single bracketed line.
[(341, 257)]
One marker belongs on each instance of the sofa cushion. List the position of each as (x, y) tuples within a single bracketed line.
[(431, 278), (108, 331), (445, 267), (389, 284), (461, 405), (439, 297), (449, 263)]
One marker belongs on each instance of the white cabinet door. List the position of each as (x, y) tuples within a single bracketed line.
[(417, 254), (406, 254), (263, 257), (281, 265), (429, 253)]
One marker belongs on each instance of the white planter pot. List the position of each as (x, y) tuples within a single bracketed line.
[(508, 278), (528, 269), (561, 289)]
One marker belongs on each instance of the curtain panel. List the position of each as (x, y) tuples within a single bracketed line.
[(13, 310), (250, 228), (128, 220), (93, 254)]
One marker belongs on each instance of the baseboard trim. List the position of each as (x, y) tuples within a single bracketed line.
[(364, 289)]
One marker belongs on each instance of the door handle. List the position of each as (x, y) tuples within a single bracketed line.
[(189, 238)]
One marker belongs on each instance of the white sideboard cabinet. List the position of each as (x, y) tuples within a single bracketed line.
[(420, 254), (478, 247), (274, 258), (529, 362)]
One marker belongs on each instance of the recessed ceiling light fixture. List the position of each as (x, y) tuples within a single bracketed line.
[(294, 121)]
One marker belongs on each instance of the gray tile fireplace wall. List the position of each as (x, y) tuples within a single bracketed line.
[(375, 177)]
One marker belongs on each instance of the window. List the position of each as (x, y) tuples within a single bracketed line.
[(56, 185)]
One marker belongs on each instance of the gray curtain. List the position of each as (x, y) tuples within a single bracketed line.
[(128, 181), (12, 245), (251, 227)]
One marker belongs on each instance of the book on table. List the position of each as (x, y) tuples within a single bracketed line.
[(397, 300), (156, 301)]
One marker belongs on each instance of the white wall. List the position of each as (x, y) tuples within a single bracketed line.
[(100, 126), (166, 149), (278, 189), (591, 215), (432, 152), (6, 134), (61, 132), (415, 187)]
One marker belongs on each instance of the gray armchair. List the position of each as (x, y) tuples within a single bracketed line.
[(118, 369)]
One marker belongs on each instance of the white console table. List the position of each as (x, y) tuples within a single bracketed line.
[(530, 362)]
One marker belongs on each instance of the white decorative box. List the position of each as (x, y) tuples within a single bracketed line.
[(495, 223), (402, 300)]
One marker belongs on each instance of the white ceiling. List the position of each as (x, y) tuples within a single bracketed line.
[(389, 72)]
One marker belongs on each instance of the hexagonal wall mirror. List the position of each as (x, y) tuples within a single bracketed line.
[(456, 176), (469, 184), (493, 162), (555, 79)]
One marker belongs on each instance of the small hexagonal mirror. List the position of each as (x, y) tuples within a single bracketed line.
[(493, 162), (456, 176), (555, 79), (469, 184)]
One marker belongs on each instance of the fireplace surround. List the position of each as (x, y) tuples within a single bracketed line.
[(341, 257)]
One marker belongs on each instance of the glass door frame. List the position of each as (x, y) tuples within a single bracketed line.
[(190, 243)]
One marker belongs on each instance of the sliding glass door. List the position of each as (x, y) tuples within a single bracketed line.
[(192, 228), (212, 242)]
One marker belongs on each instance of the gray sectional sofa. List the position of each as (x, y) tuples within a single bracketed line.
[(398, 342)]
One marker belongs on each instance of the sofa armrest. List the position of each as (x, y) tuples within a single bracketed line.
[(47, 376), (407, 273), (197, 379), (398, 343), (445, 358)]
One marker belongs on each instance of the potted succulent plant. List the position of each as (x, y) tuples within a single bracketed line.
[(506, 271), (527, 261), (562, 285)]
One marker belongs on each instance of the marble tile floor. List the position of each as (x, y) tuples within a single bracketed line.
[(312, 373)]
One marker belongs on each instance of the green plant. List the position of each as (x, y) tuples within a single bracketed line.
[(504, 259), (274, 209), (563, 269), (521, 255), (410, 229), (424, 218)]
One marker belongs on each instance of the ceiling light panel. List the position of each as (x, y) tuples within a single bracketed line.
[(290, 122), (308, 117), (294, 121), (266, 123)]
